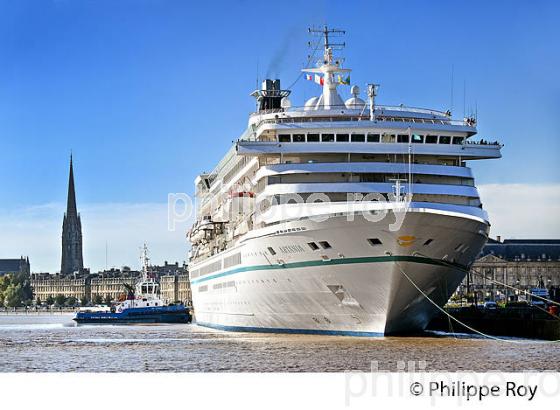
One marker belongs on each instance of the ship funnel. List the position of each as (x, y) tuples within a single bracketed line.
[(269, 97)]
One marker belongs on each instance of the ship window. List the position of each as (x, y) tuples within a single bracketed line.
[(312, 137), (429, 241), (388, 138), (431, 139), (417, 139), (313, 246), (458, 140), (402, 138), (284, 138), (272, 251), (342, 137), (325, 245), (374, 241), (444, 139), (373, 138), (327, 137), (147, 304), (358, 138), (298, 138)]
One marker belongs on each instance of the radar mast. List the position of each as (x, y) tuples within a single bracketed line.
[(329, 99)]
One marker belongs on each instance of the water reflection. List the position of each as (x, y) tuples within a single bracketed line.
[(49, 343)]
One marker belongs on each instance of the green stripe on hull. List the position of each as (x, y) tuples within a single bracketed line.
[(331, 262)]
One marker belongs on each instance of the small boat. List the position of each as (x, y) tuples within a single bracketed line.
[(142, 305), (136, 311)]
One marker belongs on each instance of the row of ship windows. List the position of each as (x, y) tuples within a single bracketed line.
[(235, 259), (371, 241), (228, 262), (312, 245), (234, 284), (401, 138), (324, 245)]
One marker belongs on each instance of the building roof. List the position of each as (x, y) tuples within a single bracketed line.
[(524, 249), (11, 265)]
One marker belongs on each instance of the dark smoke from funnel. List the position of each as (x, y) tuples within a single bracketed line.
[(277, 60)]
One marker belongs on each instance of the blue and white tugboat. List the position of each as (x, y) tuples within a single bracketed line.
[(142, 305)]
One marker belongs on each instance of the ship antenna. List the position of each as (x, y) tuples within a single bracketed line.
[(372, 93), (451, 102), (325, 32)]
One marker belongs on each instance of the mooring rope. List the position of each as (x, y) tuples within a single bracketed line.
[(497, 282), (514, 288), (464, 324)]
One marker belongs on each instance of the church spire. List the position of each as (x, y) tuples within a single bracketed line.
[(71, 206), (72, 260)]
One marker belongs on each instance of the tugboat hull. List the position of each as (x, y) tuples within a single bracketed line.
[(164, 314)]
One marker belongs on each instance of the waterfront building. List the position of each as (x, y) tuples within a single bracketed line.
[(72, 259), (82, 285), (111, 283), (168, 288), (184, 289), (168, 269), (174, 283), (519, 263), (45, 285), (20, 265), (176, 288)]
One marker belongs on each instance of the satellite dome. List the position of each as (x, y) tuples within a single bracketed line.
[(355, 103), (311, 103), (285, 103)]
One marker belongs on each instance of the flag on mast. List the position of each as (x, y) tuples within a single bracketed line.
[(345, 81), (319, 80)]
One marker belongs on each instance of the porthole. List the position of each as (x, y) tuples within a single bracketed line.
[(313, 246), (325, 245), (374, 241)]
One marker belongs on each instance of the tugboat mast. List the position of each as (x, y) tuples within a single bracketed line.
[(145, 262)]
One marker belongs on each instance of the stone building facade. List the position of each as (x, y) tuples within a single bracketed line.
[(522, 264), (46, 285), (184, 289), (174, 283), (176, 288), (112, 285), (168, 288)]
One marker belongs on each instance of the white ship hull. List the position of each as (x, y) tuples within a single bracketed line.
[(351, 288)]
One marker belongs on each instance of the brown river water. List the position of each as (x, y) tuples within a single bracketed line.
[(53, 343)]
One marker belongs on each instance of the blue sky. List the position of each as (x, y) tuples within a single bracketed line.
[(148, 93)]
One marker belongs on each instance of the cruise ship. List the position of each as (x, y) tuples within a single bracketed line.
[(340, 217)]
